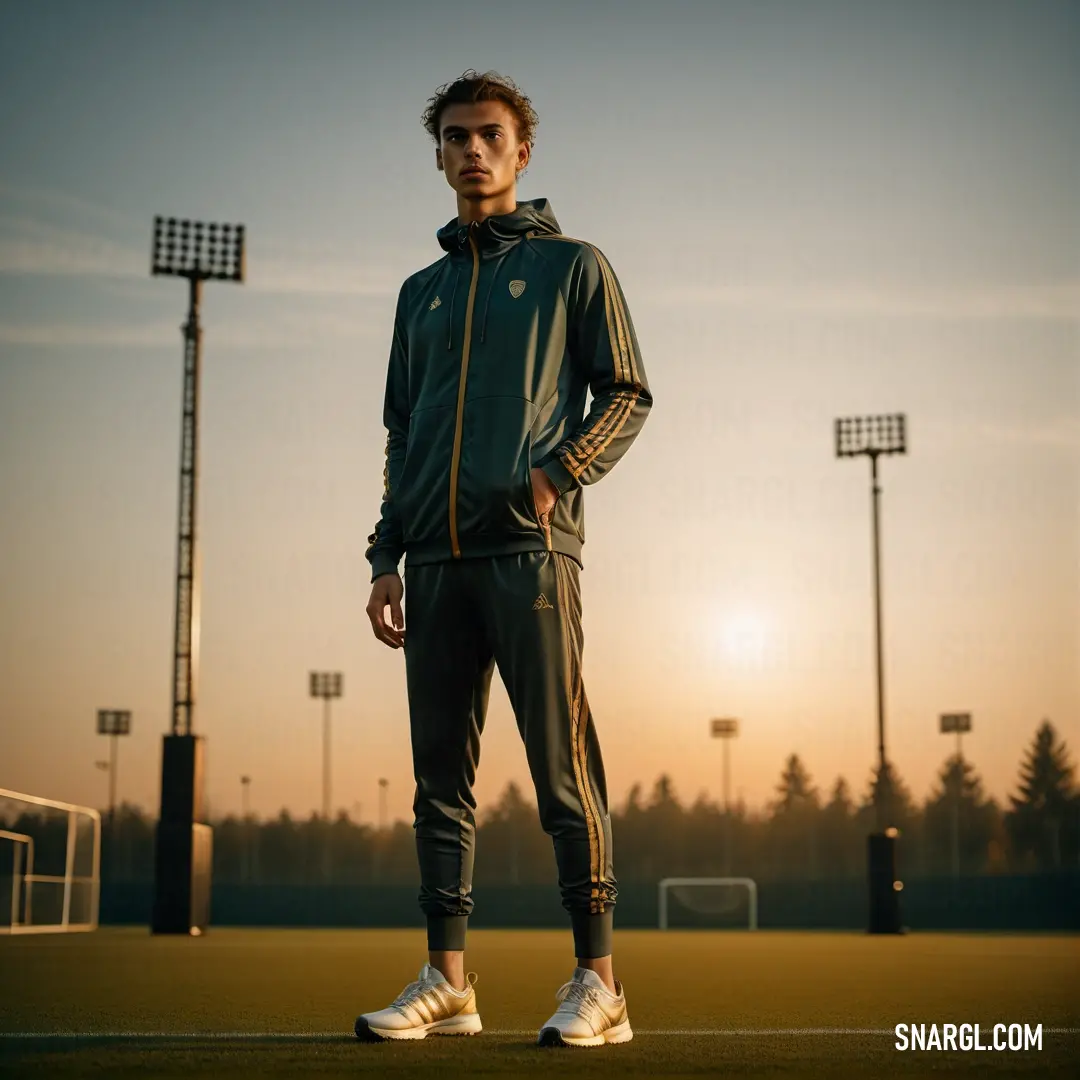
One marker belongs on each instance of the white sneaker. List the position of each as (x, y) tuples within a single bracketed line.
[(429, 1006), (590, 1015)]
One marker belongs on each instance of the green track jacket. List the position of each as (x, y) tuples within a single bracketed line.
[(495, 346)]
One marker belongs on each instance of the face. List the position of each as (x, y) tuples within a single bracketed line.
[(481, 136)]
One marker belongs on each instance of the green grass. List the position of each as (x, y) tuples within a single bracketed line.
[(701, 1003)]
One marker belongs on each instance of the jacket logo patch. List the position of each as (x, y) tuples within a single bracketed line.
[(541, 603), (434, 304), (517, 288)]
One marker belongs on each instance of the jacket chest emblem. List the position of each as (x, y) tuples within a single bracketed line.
[(434, 304), (517, 288)]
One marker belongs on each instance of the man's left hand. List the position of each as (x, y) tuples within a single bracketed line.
[(545, 495)]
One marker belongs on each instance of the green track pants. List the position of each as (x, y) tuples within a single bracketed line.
[(522, 612)]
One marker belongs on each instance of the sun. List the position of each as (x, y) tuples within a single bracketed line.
[(744, 638)]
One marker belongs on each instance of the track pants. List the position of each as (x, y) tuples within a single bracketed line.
[(522, 612)]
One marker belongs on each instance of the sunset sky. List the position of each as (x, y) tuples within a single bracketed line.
[(815, 210)]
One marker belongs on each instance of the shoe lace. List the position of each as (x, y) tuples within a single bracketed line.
[(576, 998), (410, 993)]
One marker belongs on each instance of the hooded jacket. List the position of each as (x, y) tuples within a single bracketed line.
[(495, 347)]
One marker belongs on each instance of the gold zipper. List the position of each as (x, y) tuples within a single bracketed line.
[(455, 460)]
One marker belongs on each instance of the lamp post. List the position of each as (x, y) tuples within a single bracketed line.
[(106, 767), (873, 436), (958, 724), (726, 728), (114, 723), (383, 785), (197, 252), (245, 811), (326, 685)]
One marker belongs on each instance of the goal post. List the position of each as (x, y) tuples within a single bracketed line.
[(50, 865), (684, 887)]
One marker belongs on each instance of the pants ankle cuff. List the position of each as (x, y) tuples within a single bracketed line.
[(592, 933), (446, 933)]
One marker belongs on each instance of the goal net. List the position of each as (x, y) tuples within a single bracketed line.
[(713, 903), (50, 856)]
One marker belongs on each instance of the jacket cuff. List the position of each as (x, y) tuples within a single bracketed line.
[(559, 475), (384, 562)]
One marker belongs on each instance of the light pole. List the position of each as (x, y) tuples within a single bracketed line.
[(726, 728), (383, 785), (197, 252), (958, 724), (873, 436), (114, 723), (245, 805), (106, 767), (326, 685)]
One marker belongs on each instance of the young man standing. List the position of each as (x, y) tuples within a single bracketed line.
[(489, 450)]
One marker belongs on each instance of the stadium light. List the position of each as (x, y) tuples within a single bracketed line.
[(198, 252), (726, 728), (958, 724), (245, 809), (383, 785), (114, 723), (326, 685), (872, 436)]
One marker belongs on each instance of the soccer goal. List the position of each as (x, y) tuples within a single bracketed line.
[(729, 901), (50, 859)]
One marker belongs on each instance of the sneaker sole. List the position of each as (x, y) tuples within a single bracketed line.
[(455, 1025), (552, 1036)]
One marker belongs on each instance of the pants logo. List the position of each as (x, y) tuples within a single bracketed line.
[(434, 304), (541, 602), (517, 288)]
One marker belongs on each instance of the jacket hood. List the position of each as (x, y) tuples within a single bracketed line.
[(496, 233), (496, 236)]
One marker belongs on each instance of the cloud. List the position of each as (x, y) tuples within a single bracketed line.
[(32, 247), (28, 246), (55, 203), (286, 330), (54, 234), (83, 335), (1057, 301), (322, 277), (1061, 434)]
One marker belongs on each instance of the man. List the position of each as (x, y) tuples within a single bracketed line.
[(488, 451)]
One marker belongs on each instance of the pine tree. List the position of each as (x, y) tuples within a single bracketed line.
[(1042, 821), (887, 784), (665, 823), (794, 824), (959, 802), (842, 841), (795, 791)]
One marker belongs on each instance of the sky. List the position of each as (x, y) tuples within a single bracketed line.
[(815, 211)]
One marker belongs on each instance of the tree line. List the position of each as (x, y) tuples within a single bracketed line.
[(802, 834)]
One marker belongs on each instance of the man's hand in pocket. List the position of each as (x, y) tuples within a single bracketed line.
[(545, 494)]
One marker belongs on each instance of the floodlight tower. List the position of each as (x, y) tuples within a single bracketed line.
[(726, 729), (198, 252), (873, 436), (245, 812), (114, 723), (383, 785), (326, 685), (957, 723)]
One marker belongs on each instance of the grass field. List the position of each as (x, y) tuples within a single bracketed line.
[(119, 1002)]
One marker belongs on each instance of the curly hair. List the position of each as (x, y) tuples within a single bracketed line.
[(472, 87)]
